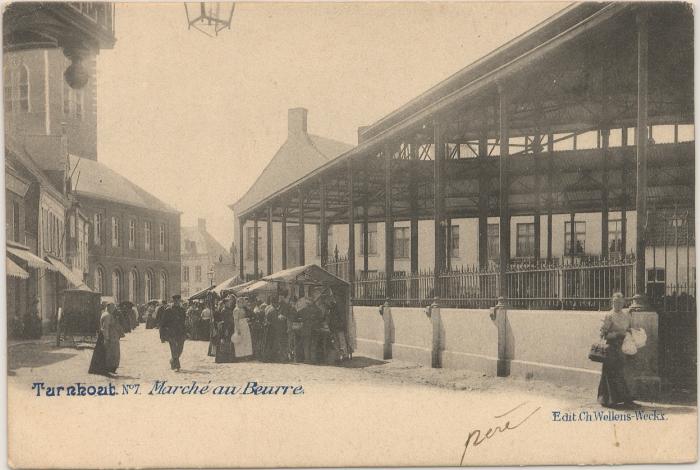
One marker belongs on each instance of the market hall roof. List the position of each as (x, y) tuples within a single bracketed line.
[(553, 73), (94, 179), (300, 154)]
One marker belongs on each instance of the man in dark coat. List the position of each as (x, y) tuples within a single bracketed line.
[(172, 330), (311, 317)]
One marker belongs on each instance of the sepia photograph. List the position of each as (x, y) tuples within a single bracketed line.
[(349, 234)]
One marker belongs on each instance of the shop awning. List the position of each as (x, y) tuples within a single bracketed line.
[(310, 274), (257, 286), (32, 260), (13, 270), (202, 294), (66, 272), (228, 284)]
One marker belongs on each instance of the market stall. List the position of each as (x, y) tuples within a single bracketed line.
[(324, 289)]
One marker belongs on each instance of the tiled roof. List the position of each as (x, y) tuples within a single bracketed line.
[(98, 180), (299, 155)]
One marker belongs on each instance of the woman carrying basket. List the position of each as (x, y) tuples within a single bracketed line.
[(613, 391)]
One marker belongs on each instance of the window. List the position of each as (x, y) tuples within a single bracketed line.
[(185, 274), (86, 238), (147, 235), (402, 242), (24, 88), (132, 233), (371, 239), (116, 285), (115, 231), (525, 246), (148, 293), (98, 229), (133, 286), (99, 280), (44, 228), (16, 231), (250, 242), (656, 283), (198, 274), (454, 241), (615, 236), (161, 238), (7, 90), (163, 285), (579, 238), (493, 240), (60, 238)]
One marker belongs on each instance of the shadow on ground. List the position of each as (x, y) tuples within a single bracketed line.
[(36, 355), (359, 362)]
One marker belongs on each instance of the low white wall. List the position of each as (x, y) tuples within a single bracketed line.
[(412, 335), (369, 332), (468, 340), (550, 345), (553, 345)]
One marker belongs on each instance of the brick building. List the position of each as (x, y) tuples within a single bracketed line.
[(134, 250)]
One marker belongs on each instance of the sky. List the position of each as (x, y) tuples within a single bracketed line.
[(194, 119)]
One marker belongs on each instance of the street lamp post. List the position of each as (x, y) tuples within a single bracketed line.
[(210, 275)]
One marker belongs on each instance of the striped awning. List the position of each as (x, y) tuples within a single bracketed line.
[(74, 280), (13, 270), (32, 260)]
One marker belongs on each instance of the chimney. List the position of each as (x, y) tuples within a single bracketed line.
[(361, 130), (296, 120), (202, 225)]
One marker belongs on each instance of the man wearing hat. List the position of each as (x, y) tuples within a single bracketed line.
[(172, 330)]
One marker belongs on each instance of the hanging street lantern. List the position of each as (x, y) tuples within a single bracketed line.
[(209, 17)]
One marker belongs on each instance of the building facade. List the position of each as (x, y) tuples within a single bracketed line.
[(134, 250), (89, 226), (205, 262)]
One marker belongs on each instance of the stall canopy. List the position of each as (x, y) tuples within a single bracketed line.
[(227, 285), (12, 270), (256, 287), (32, 260), (66, 272), (310, 274), (201, 295)]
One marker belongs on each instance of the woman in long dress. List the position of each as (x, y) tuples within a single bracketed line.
[(243, 344), (98, 363), (613, 391), (112, 332), (225, 350)]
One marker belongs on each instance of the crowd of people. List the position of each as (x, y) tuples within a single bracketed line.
[(281, 328), (26, 326), (310, 328)]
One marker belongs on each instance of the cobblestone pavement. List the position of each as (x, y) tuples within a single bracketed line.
[(144, 358), (365, 413)]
